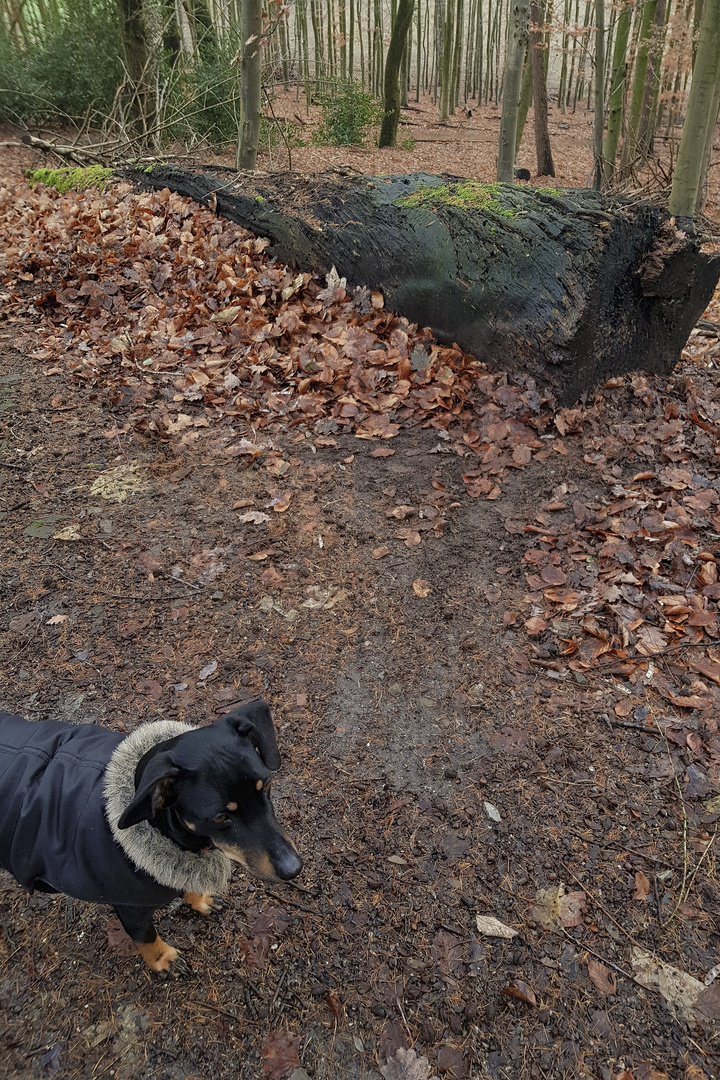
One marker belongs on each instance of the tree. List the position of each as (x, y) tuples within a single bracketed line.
[(700, 118), (250, 83), (599, 118), (139, 63), (516, 46), (545, 166), (630, 146), (617, 86), (393, 62)]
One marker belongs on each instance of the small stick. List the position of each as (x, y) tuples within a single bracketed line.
[(287, 900), (582, 945), (606, 912)]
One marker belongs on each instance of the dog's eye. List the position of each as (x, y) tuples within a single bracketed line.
[(220, 818)]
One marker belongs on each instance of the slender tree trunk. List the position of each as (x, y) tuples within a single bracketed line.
[(250, 84), (652, 80), (599, 118), (517, 44), (709, 138), (571, 75), (139, 65), (525, 99), (617, 87), (545, 166), (284, 51), (393, 63), (564, 62), (457, 56), (700, 118), (630, 145), (446, 62)]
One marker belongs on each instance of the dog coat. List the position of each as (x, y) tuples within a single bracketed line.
[(63, 788)]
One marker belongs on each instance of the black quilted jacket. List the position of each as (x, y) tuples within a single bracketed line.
[(53, 832)]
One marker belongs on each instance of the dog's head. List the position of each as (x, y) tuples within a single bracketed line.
[(211, 786)]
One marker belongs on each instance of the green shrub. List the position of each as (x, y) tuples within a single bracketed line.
[(347, 113), (206, 98), (73, 65), (273, 130)]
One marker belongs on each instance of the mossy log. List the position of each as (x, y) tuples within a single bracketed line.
[(570, 287)]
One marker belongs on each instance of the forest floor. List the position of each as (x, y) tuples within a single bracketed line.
[(487, 628)]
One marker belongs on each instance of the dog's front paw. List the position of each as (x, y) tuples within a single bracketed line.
[(204, 903), (163, 959)]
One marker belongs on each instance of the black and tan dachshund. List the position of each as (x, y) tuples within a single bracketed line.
[(135, 821)]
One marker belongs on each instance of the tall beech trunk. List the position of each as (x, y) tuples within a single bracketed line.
[(700, 118), (517, 43), (446, 67), (393, 64), (599, 117), (545, 166), (139, 65), (250, 84), (630, 145), (652, 80), (617, 88)]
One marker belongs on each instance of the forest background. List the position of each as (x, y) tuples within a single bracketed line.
[(154, 74)]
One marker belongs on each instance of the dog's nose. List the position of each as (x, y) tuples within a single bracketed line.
[(289, 865)]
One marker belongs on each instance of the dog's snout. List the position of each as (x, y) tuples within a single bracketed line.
[(289, 865)]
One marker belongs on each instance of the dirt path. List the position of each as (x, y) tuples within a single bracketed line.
[(429, 776)]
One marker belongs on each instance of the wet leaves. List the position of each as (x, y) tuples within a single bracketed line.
[(520, 990), (643, 887), (280, 1054), (601, 976)]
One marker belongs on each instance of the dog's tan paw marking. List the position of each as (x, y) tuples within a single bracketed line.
[(203, 903), (162, 958)]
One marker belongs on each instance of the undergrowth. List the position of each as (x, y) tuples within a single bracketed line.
[(347, 115)]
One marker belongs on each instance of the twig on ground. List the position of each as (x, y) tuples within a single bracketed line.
[(609, 963), (605, 911)]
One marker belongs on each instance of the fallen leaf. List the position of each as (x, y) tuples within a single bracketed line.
[(56, 620), (380, 552), (279, 1054), (680, 990), (601, 977), (406, 1065), (422, 588), (519, 989), (453, 1063), (642, 886), (119, 941), (382, 451), (208, 670), (255, 517), (571, 908), (492, 927), (536, 625)]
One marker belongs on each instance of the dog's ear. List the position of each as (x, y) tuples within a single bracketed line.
[(154, 791), (255, 723)]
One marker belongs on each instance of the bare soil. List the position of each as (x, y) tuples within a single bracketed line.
[(431, 771)]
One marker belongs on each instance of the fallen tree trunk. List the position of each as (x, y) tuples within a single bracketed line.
[(572, 287)]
